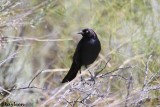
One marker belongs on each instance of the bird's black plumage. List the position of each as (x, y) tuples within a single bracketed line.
[(86, 53)]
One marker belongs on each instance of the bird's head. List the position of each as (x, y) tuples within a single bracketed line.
[(88, 33)]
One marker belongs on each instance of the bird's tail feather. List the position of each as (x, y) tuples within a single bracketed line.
[(72, 73)]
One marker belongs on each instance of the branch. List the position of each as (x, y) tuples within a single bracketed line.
[(8, 58), (128, 90), (145, 83)]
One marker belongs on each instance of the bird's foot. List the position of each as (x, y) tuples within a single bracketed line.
[(82, 79), (92, 77)]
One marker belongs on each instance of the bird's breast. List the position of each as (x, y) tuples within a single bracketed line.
[(90, 51)]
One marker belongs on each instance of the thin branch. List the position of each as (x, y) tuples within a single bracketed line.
[(146, 72), (8, 58), (16, 19), (128, 90), (25, 88), (153, 77), (145, 83), (9, 6), (36, 39), (4, 90), (124, 68), (102, 68), (70, 103), (34, 78), (82, 101)]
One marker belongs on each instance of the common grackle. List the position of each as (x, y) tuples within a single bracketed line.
[(86, 53)]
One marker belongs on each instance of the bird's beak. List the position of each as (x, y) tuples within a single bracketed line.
[(80, 33)]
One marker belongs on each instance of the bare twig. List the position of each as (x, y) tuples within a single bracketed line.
[(70, 103), (8, 58), (103, 75), (82, 101), (9, 5), (102, 68), (25, 88), (128, 90), (35, 39), (38, 75), (15, 20), (4, 90), (34, 78), (146, 72), (145, 83)]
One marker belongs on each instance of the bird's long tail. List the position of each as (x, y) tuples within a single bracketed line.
[(72, 72)]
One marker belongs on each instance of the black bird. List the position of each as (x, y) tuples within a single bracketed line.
[(86, 53)]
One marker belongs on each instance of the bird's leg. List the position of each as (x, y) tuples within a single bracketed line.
[(92, 77), (81, 75), (82, 80)]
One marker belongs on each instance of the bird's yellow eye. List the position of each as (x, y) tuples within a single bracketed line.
[(87, 31)]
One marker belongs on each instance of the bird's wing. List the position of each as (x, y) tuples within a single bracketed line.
[(77, 53), (76, 64)]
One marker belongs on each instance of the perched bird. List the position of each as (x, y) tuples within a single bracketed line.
[(86, 53)]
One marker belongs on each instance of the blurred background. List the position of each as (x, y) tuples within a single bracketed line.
[(39, 37)]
